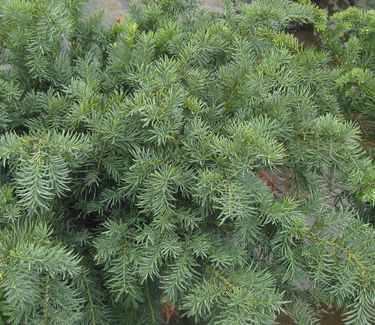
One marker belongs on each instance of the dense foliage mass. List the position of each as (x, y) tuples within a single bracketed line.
[(184, 166), (350, 38)]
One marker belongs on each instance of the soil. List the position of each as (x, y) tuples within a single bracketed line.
[(117, 8)]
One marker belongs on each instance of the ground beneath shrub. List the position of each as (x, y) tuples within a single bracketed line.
[(117, 8)]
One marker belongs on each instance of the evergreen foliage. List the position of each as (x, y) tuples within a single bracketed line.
[(350, 37), (183, 165)]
